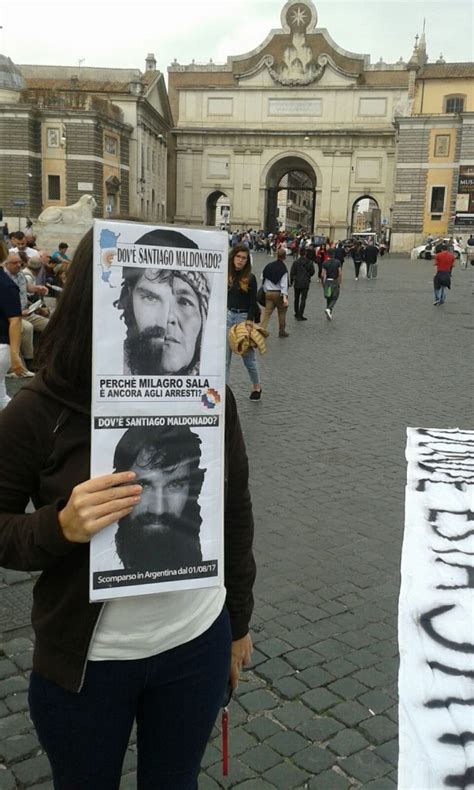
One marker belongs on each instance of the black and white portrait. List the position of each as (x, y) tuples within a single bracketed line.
[(165, 313), (163, 530)]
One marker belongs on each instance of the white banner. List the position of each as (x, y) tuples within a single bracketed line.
[(159, 340), (436, 613)]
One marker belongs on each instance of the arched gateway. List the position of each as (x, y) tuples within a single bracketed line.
[(295, 176), (298, 114)]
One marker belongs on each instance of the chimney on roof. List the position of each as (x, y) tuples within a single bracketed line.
[(150, 62)]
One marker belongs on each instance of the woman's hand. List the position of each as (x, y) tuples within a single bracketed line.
[(241, 656), (97, 503), (249, 325)]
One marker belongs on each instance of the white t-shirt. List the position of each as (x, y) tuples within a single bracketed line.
[(31, 253), (133, 628)]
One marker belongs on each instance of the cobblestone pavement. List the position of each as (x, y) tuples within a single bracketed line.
[(326, 444)]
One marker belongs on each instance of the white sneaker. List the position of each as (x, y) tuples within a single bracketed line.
[(356, 278), (328, 313)]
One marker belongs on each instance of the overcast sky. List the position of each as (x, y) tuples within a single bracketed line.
[(121, 32)]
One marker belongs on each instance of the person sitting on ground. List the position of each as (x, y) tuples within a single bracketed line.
[(19, 243), (59, 256), (10, 328)]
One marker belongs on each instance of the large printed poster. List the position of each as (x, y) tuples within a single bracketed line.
[(159, 337), (436, 613)]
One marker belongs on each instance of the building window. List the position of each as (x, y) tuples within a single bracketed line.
[(441, 145), (438, 195), (52, 138), (110, 145), (153, 161), (54, 188), (454, 104)]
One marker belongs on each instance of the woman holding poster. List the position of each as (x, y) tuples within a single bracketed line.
[(242, 306), (161, 660)]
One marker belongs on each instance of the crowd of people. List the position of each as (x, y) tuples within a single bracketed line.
[(31, 280)]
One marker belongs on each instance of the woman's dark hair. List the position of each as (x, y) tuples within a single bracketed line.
[(243, 276), (65, 350)]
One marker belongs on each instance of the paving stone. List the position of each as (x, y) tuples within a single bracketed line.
[(329, 780), (14, 577), (378, 729), (240, 741), (376, 701), (238, 772), (339, 667), (362, 658), (7, 668), (320, 699), (356, 639), (4, 711), (17, 702), (251, 784), (273, 647), (129, 782), (301, 659), (315, 677), (24, 660), (7, 780), (287, 743), (32, 770), (299, 637), (49, 786), (263, 727), (284, 776), (381, 784), (330, 648), (12, 686), (349, 713), (319, 729), (18, 746), (347, 742), (314, 759), (290, 714), (347, 688), (365, 766), (274, 668), (388, 751), (212, 754), (372, 678), (258, 701), (130, 761), (289, 687), (15, 724), (261, 758), (15, 646)]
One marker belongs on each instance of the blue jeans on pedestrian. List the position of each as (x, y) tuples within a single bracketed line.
[(250, 358), (174, 697), (440, 294)]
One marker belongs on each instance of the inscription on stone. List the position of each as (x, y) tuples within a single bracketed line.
[(294, 107)]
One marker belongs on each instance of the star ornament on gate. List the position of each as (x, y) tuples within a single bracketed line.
[(299, 16)]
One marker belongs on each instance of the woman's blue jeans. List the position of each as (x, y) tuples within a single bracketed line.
[(250, 358), (174, 698)]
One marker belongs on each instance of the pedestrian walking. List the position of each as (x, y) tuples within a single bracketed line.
[(164, 661), (242, 307), (370, 257), (302, 270), (275, 286), (340, 253), (332, 280), (444, 264), (357, 256)]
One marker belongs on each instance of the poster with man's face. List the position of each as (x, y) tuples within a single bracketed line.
[(159, 338)]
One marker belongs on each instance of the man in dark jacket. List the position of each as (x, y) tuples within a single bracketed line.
[(300, 277), (370, 257)]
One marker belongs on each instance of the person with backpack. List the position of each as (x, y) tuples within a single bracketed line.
[(301, 272)]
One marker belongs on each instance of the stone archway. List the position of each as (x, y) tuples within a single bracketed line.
[(211, 207), (365, 210), (279, 177)]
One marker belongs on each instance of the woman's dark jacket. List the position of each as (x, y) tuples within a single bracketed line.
[(44, 454)]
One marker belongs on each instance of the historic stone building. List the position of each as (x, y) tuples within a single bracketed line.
[(434, 188), (67, 131), (299, 102)]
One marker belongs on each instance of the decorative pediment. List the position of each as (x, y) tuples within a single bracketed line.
[(294, 73)]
